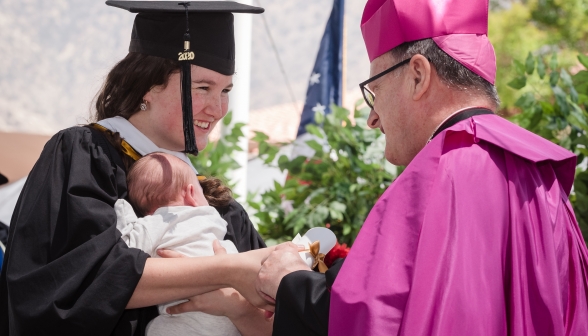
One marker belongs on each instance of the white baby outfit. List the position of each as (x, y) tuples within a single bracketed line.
[(190, 231)]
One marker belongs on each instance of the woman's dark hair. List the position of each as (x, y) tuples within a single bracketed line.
[(129, 81), (122, 94)]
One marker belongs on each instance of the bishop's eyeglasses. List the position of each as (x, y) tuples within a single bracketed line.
[(368, 95)]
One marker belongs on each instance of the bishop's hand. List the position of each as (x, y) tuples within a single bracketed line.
[(284, 260)]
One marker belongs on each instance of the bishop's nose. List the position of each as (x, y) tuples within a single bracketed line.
[(373, 120)]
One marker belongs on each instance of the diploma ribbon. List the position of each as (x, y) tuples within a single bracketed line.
[(319, 258)]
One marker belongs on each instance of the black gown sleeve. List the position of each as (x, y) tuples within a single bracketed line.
[(3, 233), (302, 302), (66, 270), (240, 230)]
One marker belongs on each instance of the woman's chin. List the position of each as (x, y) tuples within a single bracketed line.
[(201, 143)]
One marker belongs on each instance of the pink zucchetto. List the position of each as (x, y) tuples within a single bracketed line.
[(458, 27)]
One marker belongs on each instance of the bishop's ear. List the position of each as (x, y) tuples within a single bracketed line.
[(420, 71)]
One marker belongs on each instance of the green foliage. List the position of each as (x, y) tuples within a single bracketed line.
[(336, 187), (555, 108), (520, 28), (565, 20), (216, 160)]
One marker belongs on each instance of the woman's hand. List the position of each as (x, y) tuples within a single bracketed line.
[(170, 254), (228, 302), (245, 268), (216, 247), (221, 302)]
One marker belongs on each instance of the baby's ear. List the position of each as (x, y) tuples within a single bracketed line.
[(195, 195), (189, 196)]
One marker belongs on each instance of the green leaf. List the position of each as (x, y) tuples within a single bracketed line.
[(331, 120), (294, 166), (565, 77), (299, 225), (560, 98), (314, 130), (530, 64), (340, 112), (283, 160), (236, 133), (580, 81), (260, 136), (335, 215), (227, 119), (519, 68), (584, 60), (319, 117), (318, 148), (577, 118), (322, 212), (553, 78), (526, 100), (553, 62), (535, 119), (338, 206), (518, 83), (574, 95), (583, 151), (346, 229), (271, 154), (254, 205), (540, 67), (264, 217), (546, 107)]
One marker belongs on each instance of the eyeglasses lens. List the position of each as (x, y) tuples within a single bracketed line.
[(369, 97)]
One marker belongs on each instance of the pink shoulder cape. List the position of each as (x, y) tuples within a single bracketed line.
[(476, 237)]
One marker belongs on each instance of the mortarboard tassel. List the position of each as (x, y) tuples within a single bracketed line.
[(186, 89)]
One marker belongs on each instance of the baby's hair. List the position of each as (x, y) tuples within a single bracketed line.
[(155, 180)]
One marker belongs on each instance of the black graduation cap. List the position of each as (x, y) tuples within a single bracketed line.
[(192, 32)]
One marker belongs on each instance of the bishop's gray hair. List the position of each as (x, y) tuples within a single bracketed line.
[(450, 71)]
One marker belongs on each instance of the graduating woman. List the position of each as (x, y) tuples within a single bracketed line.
[(66, 269)]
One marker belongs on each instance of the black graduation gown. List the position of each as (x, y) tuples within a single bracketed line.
[(302, 302), (3, 233), (66, 270)]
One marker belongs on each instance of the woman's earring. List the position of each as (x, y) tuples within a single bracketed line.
[(143, 105)]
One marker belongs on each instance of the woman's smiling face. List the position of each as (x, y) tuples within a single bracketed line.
[(210, 103)]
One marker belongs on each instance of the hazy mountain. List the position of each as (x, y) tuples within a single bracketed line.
[(55, 54)]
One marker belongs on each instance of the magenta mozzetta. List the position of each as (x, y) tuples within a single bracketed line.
[(465, 239)]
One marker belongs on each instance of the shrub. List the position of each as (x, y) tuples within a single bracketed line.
[(336, 187), (553, 105)]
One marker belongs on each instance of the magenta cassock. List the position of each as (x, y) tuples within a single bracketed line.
[(476, 237)]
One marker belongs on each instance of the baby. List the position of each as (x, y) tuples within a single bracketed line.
[(167, 190)]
